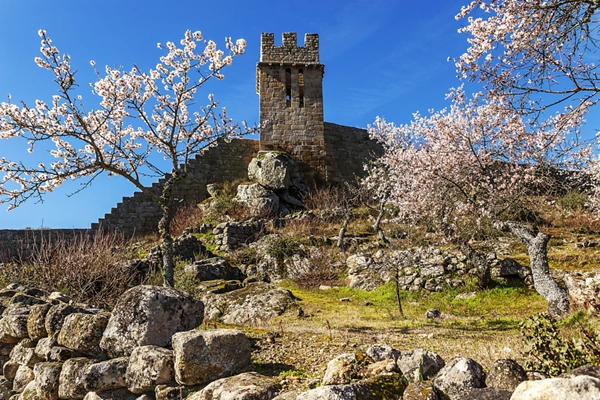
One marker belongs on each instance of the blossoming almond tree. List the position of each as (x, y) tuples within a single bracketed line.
[(535, 55), (139, 115), (465, 166)]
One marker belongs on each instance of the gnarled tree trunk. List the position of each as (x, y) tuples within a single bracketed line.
[(484, 277), (544, 284)]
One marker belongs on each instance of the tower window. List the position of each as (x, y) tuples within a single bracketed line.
[(301, 87), (288, 87)]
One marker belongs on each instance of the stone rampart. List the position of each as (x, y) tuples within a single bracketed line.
[(19, 242), (347, 149), (139, 215)]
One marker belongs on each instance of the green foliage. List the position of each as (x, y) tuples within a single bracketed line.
[(280, 247), (550, 350), (573, 200)]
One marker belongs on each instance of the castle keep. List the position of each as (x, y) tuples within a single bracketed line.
[(289, 82)]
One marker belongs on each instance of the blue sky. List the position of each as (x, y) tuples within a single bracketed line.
[(382, 58)]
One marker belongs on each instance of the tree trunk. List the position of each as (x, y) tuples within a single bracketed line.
[(164, 227), (544, 284), (377, 224), (343, 229), (398, 300), (484, 277)]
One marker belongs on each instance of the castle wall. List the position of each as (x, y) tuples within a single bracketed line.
[(19, 242), (138, 215), (347, 149)]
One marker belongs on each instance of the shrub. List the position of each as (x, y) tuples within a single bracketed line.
[(93, 269), (549, 350), (318, 268)]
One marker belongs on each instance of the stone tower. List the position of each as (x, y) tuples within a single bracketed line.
[(289, 81)]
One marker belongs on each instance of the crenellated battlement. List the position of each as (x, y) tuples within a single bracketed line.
[(289, 52)]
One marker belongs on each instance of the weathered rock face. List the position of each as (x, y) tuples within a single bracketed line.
[(150, 366), (580, 388), (271, 170), (201, 356), (248, 385), (70, 381), (213, 268), (382, 351), (505, 374), (105, 375), (260, 200), (233, 235), (149, 315), (47, 376), (340, 370), (419, 364), (459, 375), (258, 301), (83, 332)]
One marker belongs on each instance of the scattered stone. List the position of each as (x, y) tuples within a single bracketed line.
[(257, 302), (459, 375), (580, 387), (419, 364), (248, 385), (433, 313), (340, 370), (380, 352)]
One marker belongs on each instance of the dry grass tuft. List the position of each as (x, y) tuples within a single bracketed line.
[(91, 269)]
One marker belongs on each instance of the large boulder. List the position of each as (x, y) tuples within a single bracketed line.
[(248, 385), (580, 387), (260, 200), (257, 302), (458, 376), (202, 356), (271, 170), (149, 315)]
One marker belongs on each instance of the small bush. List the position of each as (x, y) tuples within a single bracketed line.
[(549, 350), (188, 215), (280, 247), (318, 268), (573, 200), (91, 269)]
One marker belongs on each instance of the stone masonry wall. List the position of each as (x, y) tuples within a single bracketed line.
[(138, 215), (347, 149)]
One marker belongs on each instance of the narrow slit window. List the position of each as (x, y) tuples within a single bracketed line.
[(288, 87), (301, 87)]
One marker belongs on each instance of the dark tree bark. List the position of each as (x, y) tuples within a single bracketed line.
[(544, 284), (484, 277), (377, 224), (164, 227), (340, 242)]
